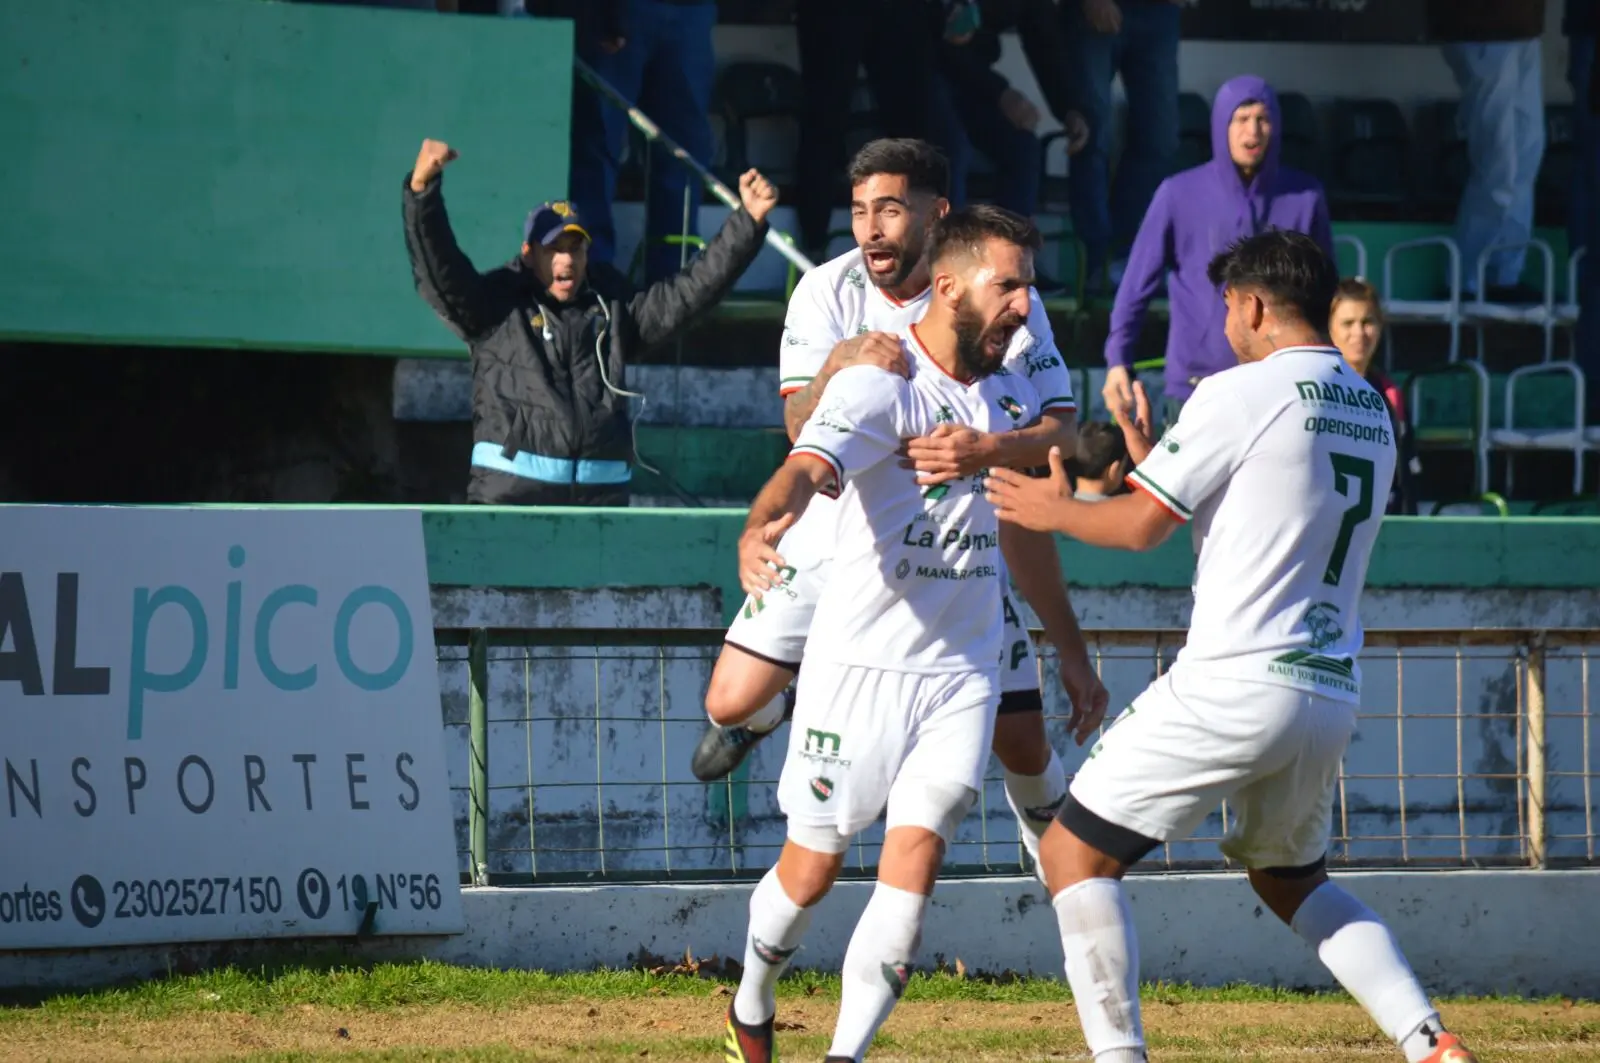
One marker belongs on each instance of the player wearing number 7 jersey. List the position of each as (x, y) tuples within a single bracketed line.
[(1281, 465)]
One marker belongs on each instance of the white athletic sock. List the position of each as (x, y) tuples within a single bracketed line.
[(776, 926), (1035, 800), (1363, 955), (767, 717), (876, 967), (1102, 967)]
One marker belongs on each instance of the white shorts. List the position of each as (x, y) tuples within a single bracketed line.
[(1190, 742), (863, 740), (774, 628)]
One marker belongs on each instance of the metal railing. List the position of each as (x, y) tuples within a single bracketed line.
[(569, 753)]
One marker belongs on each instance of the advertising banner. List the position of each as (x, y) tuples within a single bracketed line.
[(218, 724)]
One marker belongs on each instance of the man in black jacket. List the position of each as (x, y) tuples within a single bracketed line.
[(550, 339)]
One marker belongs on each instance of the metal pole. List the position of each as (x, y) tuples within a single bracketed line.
[(1536, 750), (478, 769), (779, 242)]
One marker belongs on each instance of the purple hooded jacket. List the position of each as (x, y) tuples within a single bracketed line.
[(1195, 215)]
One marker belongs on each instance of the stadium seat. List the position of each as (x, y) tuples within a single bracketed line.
[(1449, 411), (1358, 249), (1481, 311), (1444, 160), (1542, 425), (1429, 309), (1194, 131), (1370, 145), (749, 92), (1553, 192), (1302, 134), (1566, 309)]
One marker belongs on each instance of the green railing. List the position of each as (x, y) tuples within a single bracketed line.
[(569, 752)]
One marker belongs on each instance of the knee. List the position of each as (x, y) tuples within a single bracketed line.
[(806, 875), (725, 702)]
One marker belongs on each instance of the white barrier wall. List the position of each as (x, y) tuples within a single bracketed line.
[(1465, 932)]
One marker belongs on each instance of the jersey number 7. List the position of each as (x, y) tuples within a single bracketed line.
[(1348, 471)]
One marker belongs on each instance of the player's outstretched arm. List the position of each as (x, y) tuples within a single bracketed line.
[(780, 503), (1128, 522), (951, 452), (1036, 569)]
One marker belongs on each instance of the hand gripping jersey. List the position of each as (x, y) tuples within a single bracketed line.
[(914, 581), (836, 301), (1283, 467)]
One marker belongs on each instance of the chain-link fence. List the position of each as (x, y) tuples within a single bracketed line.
[(569, 757)]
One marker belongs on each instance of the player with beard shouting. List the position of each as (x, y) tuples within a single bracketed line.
[(896, 705), (852, 311)]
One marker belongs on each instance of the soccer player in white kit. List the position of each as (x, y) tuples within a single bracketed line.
[(1281, 464), (842, 313), (895, 708)]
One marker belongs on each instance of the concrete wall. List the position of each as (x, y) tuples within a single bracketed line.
[(1465, 932)]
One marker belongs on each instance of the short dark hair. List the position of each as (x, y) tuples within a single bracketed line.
[(966, 230), (922, 165), (1289, 268), (1100, 446)]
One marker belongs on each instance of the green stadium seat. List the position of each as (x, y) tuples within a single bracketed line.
[(1194, 131), (1301, 133), (1548, 417), (1371, 147), (1449, 411)]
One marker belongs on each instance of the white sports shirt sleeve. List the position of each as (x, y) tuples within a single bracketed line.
[(1042, 362), (857, 424), (811, 329), (1197, 455)]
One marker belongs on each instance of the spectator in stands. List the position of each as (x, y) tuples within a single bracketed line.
[(895, 40), (658, 55), (1356, 328), (551, 336), (1100, 462), (1139, 40), (994, 117), (1493, 50), (1581, 24), (1195, 215)]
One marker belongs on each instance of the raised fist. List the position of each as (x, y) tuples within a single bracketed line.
[(431, 161)]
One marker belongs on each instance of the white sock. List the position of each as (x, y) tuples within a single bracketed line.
[(776, 926), (767, 717), (1363, 955), (1102, 967), (1035, 800), (876, 967)]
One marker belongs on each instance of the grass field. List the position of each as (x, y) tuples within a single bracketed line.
[(433, 1012)]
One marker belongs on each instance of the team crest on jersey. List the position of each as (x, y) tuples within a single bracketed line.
[(861, 329), (1325, 630), (1012, 407), (832, 417), (945, 415), (791, 340), (822, 788), (853, 278)]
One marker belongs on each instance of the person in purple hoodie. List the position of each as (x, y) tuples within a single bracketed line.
[(1195, 215)]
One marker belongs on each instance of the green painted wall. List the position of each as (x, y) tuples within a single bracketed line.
[(481, 546), (228, 172)]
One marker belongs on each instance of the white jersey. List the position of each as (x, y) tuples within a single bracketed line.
[(913, 585), (1283, 466), (835, 301)]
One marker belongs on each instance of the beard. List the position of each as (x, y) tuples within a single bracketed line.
[(972, 336), (906, 258)]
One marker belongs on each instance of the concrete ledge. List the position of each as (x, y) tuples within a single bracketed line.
[(1465, 932)]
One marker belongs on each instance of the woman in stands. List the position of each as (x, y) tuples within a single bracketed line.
[(1356, 325)]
